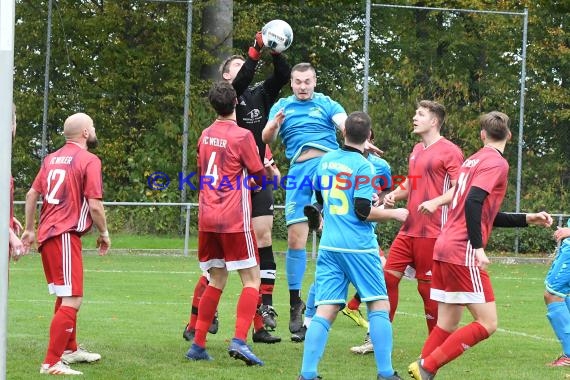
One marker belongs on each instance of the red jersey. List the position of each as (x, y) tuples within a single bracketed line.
[(430, 172), (67, 179), (226, 155), (488, 170)]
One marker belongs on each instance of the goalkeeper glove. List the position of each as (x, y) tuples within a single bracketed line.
[(255, 50)]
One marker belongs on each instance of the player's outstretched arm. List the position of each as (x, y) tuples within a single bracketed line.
[(378, 214), (269, 133), (280, 77)]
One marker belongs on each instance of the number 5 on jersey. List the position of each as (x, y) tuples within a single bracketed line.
[(338, 194)]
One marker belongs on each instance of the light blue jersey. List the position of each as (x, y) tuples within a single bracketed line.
[(382, 176), (382, 173), (337, 178), (308, 123), (558, 277)]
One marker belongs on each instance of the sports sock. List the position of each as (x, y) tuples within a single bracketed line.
[(295, 265), (72, 342), (459, 341), (268, 270), (430, 306), (294, 296), (257, 323), (559, 318), (246, 307), (206, 311), (354, 302), (392, 283), (198, 291), (315, 341), (381, 337), (60, 330), (434, 340), (311, 309), (257, 318)]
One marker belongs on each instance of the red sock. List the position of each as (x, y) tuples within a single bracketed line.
[(266, 289), (392, 283), (430, 306), (206, 311), (246, 307), (434, 340), (61, 328), (198, 291), (459, 341), (72, 343), (354, 302), (257, 319)]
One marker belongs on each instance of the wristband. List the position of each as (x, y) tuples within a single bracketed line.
[(104, 234)]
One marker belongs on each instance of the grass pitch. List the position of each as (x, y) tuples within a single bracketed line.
[(135, 307)]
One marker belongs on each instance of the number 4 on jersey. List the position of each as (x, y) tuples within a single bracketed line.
[(212, 169)]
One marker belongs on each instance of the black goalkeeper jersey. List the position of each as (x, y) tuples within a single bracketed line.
[(254, 102)]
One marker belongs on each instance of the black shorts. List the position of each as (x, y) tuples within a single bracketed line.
[(262, 202)]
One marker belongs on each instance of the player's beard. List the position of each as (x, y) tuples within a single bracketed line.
[(92, 142)]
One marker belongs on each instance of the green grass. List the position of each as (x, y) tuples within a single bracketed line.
[(135, 307)]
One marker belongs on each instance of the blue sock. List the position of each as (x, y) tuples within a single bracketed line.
[(559, 317), (315, 341), (295, 263), (567, 301), (381, 336), (311, 308)]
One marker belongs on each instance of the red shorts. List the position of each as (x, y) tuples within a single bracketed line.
[(458, 284), (230, 250), (63, 265), (416, 252)]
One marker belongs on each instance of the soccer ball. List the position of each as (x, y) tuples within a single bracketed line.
[(277, 35)]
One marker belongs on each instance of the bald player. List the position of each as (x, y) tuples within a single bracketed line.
[(70, 183)]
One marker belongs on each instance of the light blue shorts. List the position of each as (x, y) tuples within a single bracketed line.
[(299, 189), (335, 270), (558, 277)]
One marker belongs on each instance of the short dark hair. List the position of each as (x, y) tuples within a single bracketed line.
[(435, 108), (496, 124), (302, 67), (225, 66), (357, 127), (222, 97)]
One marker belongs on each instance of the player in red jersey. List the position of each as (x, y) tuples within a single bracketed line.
[(227, 157), (460, 277), (70, 183), (433, 168), (254, 103)]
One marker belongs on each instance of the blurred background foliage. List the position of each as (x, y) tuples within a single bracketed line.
[(123, 62)]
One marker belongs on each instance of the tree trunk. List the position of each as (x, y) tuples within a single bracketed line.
[(217, 27)]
